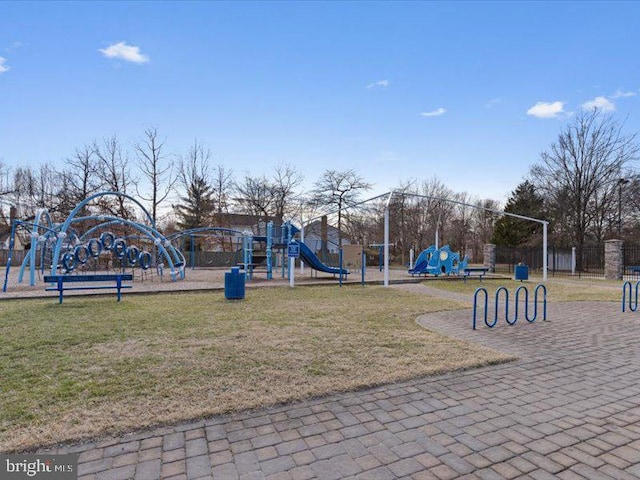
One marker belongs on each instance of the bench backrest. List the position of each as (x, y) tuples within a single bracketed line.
[(107, 277)]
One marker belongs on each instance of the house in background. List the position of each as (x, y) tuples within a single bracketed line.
[(313, 237)]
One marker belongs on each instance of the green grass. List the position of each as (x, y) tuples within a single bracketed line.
[(93, 366)]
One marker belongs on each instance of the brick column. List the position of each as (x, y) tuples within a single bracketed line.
[(489, 254), (613, 260)]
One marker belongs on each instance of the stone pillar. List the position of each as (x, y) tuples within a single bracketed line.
[(613, 260), (489, 253)]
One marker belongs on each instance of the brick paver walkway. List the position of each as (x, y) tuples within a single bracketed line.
[(569, 408)]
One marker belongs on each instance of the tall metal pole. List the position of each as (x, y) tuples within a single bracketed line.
[(301, 241), (386, 241), (544, 251)]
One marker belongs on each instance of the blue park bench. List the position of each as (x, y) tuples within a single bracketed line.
[(115, 278), (474, 272)]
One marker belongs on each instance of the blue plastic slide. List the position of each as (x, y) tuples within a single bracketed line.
[(314, 262)]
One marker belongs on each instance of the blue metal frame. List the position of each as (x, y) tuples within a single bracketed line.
[(633, 303), (65, 226), (269, 250), (512, 321)]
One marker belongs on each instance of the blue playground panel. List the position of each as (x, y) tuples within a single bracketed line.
[(439, 261)]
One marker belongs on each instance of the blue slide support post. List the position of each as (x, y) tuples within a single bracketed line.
[(248, 256), (192, 251), (11, 245), (269, 250)]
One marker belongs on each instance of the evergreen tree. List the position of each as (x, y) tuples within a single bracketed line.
[(195, 209), (513, 232)]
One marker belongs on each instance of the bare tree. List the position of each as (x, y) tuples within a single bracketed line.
[(115, 175), (80, 179), (255, 196), (223, 188), (24, 191), (286, 198), (156, 168), (400, 212), (578, 171), (274, 198), (5, 187), (339, 189)]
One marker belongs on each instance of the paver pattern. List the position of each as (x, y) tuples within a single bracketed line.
[(569, 408)]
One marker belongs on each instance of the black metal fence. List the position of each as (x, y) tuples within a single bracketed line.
[(631, 258), (560, 261)]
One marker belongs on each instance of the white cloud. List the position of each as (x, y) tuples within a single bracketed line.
[(387, 157), (3, 65), (546, 109), (599, 103), (379, 84), (434, 113), (619, 93), (121, 50), (493, 102)]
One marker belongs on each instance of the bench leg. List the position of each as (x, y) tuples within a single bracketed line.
[(60, 289), (119, 285)]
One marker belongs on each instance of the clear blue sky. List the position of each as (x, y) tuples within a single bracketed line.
[(469, 92)]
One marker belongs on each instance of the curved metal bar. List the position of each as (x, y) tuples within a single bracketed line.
[(475, 305), (78, 208), (633, 303), (173, 256), (506, 307), (544, 303), (30, 256), (526, 304), (192, 231)]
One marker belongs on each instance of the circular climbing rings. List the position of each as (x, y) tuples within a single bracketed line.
[(145, 260), (81, 254), (107, 239), (119, 247), (132, 255), (69, 262), (95, 247)]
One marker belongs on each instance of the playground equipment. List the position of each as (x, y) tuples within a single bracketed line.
[(220, 234), (510, 321), (277, 238), (62, 247), (108, 244), (439, 261)]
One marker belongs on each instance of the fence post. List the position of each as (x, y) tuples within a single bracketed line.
[(613, 260), (489, 253)]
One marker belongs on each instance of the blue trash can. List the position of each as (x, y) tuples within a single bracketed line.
[(522, 272), (234, 284)]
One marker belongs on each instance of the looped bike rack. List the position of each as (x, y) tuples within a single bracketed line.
[(512, 321), (633, 300)]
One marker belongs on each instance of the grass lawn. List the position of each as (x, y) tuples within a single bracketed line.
[(558, 289), (93, 366)]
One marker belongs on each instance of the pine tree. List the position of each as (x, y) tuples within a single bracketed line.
[(196, 208), (513, 232)]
